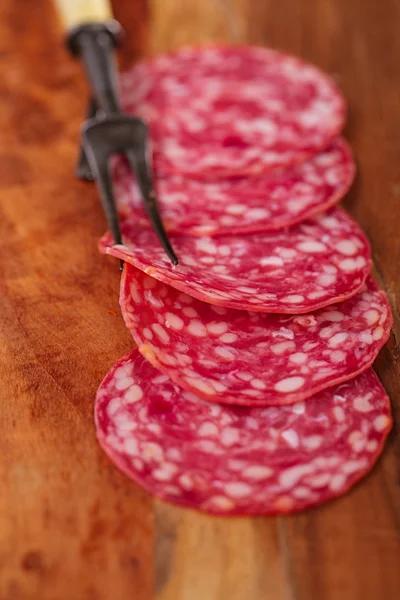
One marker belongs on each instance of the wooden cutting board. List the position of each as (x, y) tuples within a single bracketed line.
[(71, 526)]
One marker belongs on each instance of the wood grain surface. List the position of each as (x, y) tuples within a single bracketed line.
[(71, 526)]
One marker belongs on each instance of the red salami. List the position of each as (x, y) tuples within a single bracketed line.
[(239, 205), (220, 110), (234, 460), (240, 357), (315, 263)]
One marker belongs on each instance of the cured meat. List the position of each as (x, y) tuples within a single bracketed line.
[(239, 205), (247, 358), (234, 460), (315, 263), (215, 111)]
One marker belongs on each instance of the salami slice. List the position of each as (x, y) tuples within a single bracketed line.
[(220, 110), (239, 205), (234, 460), (315, 263), (247, 358)]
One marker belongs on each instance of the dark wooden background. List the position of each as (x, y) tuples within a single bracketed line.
[(71, 526)]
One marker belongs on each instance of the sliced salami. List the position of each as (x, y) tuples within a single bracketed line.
[(310, 265), (233, 460), (239, 205), (247, 358), (215, 111)]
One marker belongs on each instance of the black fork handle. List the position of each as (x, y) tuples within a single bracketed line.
[(95, 43)]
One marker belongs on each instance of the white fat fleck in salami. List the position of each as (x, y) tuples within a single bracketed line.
[(262, 359), (308, 275), (239, 205), (215, 111), (238, 460)]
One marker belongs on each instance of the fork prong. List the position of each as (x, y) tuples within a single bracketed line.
[(104, 184), (139, 166), (122, 133), (100, 170), (83, 170)]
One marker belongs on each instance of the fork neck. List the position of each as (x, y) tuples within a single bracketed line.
[(95, 43)]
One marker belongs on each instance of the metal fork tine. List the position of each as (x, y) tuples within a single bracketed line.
[(82, 168), (139, 165), (122, 133), (100, 170), (101, 173)]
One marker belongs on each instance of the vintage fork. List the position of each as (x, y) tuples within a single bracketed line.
[(109, 130)]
